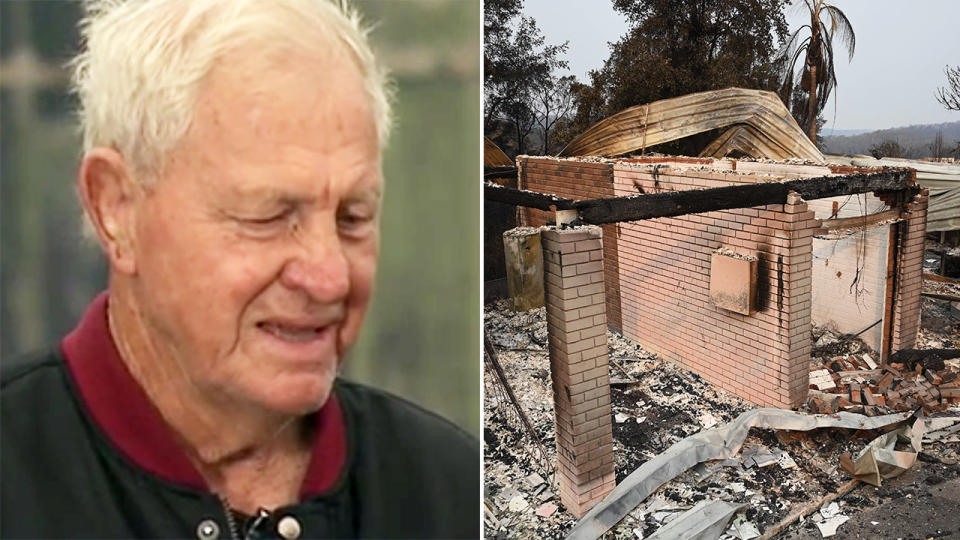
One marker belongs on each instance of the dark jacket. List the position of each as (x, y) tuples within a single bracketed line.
[(84, 456)]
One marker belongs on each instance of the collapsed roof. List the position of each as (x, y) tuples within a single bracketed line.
[(762, 125), (759, 126), (493, 156)]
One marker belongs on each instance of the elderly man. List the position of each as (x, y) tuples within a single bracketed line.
[(232, 176)]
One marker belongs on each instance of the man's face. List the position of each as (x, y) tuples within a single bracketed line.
[(256, 249)]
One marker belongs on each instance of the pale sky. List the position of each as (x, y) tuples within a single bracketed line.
[(902, 48)]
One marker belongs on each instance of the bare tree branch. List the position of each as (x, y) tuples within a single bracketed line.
[(554, 101), (949, 97)]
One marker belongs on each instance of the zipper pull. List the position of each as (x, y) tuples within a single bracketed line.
[(253, 528)]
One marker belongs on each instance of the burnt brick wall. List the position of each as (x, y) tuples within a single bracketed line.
[(657, 274), (665, 285)]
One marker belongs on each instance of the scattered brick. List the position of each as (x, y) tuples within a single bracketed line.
[(855, 393), (849, 383)]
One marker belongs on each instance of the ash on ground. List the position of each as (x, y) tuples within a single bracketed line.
[(654, 405)]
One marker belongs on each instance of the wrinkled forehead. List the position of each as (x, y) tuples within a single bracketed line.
[(265, 72), (282, 121), (270, 93)]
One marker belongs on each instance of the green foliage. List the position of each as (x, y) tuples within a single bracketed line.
[(677, 47)]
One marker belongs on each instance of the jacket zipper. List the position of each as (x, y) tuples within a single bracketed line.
[(231, 521)]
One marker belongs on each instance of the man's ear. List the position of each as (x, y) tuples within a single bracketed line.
[(109, 196)]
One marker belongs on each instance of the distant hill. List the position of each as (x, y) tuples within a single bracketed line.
[(914, 140), (843, 132)]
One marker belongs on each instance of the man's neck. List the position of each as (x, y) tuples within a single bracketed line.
[(228, 441)]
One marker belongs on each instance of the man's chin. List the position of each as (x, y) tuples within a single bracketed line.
[(298, 398)]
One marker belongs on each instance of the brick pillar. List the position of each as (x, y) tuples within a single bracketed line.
[(906, 317), (577, 331), (797, 268)]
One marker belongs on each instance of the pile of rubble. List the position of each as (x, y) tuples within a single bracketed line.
[(846, 376), (656, 404)]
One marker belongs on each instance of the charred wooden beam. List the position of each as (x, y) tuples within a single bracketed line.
[(822, 187), (490, 173), (678, 203), (938, 296), (805, 508), (529, 199), (858, 222), (941, 279)]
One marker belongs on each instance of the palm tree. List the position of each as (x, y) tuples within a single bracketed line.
[(817, 76)]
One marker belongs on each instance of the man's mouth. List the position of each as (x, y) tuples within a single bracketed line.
[(292, 332)]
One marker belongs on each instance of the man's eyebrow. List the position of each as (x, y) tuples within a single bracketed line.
[(255, 208), (265, 196), (366, 195), (272, 195)]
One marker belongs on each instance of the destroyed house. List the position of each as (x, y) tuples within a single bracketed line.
[(723, 265)]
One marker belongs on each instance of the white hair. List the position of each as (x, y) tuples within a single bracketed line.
[(143, 61)]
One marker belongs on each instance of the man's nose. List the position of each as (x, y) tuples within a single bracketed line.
[(320, 269)]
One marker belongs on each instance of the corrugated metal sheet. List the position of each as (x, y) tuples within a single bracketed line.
[(742, 139), (943, 180), (493, 156), (771, 127)]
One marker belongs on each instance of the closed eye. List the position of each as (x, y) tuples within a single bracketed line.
[(356, 223), (268, 220)]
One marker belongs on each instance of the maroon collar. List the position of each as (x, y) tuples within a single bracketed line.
[(119, 406)]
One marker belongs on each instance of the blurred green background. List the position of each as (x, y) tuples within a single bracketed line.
[(422, 336)]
